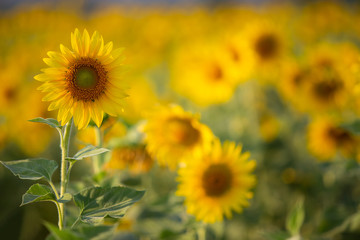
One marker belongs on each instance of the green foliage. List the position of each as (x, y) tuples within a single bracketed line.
[(38, 193), (295, 218), (58, 234), (81, 233), (277, 236), (32, 169), (352, 127), (49, 121), (87, 151), (96, 203)]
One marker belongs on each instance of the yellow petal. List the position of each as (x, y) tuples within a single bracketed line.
[(58, 57), (97, 114), (67, 53), (86, 42), (74, 42), (106, 49)]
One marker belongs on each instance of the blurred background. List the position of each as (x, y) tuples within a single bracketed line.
[(279, 77)]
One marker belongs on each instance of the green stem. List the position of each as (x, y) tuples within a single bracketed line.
[(67, 178), (201, 232), (54, 189), (98, 161), (64, 145), (60, 215)]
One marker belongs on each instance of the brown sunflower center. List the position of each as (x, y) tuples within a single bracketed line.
[(181, 131), (10, 93), (216, 180), (327, 89), (267, 46), (234, 54), (340, 136), (86, 79), (215, 72)]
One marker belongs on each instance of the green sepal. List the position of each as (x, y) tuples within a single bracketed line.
[(49, 121), (87, 151), (96, 203), (32, 169), (38, 193)]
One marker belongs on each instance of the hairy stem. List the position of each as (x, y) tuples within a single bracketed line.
[(64, 145)]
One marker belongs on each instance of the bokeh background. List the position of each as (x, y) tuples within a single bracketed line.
[(279, 77)]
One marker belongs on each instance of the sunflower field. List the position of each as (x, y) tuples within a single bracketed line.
[(139, 121)]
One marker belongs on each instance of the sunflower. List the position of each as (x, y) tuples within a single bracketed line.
[(85, 82), (324, 80), (326, 138), (269, 44), (172, 134), (214, 77), (135, 158), (216, 182)]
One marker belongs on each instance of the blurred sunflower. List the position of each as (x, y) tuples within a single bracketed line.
[(210, 75), (85, 82), (326, 138), (326, 79), (269, 126), (242, 58), (216, 182), (172, 134), (135, 158), (269, 43)]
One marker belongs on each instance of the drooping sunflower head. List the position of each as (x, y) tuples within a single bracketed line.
[(84, 82), (172, 134), (217, 182)]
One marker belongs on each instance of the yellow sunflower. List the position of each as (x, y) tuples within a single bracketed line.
[(85, 82), (217, 182), (135, 158), (268, 41), (324, 80), (326, 138), (172, 134), (205, 73)]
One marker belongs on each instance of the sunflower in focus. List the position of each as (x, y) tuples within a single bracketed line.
[(217, 182), (326, 138), (84, 82), (172, 134)]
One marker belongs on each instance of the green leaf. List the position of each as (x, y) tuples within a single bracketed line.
[(32, 169), (87, 151), (353, 127), (65, 234), (295, 218), (65, 198), (277, 236), (96, 232), (38, 193), (49, 121), (96, 203), (81, 233)]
